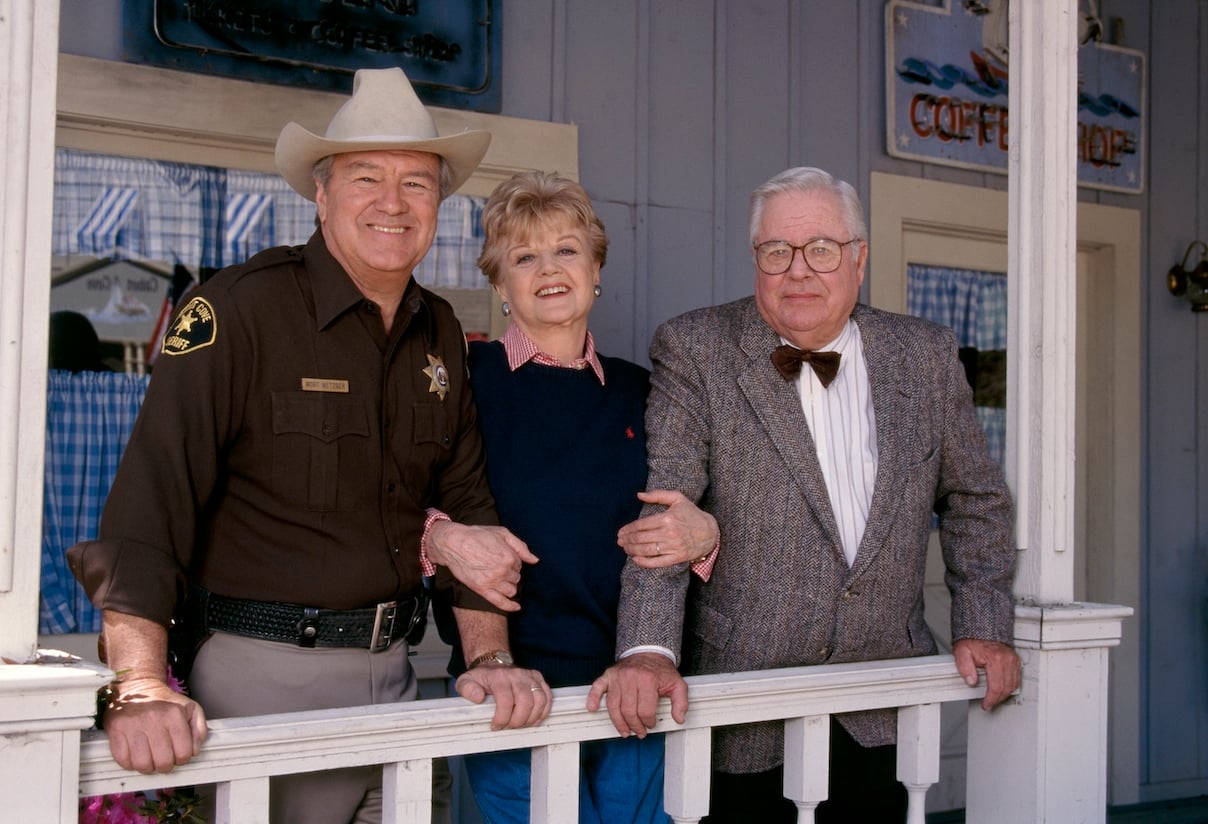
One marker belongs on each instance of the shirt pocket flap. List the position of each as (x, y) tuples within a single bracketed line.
[(325, 417)]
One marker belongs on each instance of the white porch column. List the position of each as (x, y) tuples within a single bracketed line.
[(29, 51), (42, 707), (1044, 756)]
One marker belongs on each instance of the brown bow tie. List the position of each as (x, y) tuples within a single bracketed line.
[(788, 359)]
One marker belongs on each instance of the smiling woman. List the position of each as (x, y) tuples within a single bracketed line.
[(563, 483)]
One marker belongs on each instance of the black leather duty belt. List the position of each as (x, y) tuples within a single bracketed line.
[(372, 628)]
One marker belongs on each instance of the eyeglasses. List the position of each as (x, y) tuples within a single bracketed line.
[(775, 257)]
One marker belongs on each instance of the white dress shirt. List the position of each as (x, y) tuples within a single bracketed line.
[(842, 422)]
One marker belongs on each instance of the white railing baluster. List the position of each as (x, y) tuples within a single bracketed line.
[(918, 755), (407, 792), (687, 761), (806, 763), (242, 801), (555, 784)]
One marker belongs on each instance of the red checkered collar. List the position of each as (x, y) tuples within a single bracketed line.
[(520, 350)]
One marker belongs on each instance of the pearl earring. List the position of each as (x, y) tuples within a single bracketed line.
[(507, 310), (598, 291)]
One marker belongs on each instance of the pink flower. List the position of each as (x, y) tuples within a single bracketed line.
[(175, 683), (117, 808)]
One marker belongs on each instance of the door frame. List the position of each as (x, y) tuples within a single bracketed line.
[(1108, 494)]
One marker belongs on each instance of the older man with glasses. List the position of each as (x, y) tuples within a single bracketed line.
[(823, 482)]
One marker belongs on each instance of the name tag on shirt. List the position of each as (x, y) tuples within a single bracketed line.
[(324, 385)]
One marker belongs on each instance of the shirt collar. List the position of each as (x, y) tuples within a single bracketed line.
[(842, 344), (335, 293), (520, 350)]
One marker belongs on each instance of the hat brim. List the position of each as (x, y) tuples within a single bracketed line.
[(298, 150)]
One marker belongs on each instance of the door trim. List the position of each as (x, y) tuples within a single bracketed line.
[(1110, 317)]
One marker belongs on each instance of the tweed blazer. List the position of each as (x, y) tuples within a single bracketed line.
[(729, 432)]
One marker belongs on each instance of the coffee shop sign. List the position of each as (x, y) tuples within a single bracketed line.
[(947, 81)]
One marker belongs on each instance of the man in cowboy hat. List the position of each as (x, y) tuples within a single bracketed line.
[(285, 489)]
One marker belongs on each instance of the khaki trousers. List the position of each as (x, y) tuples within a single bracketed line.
[(234, 676)]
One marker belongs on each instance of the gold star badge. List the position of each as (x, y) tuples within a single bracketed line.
[(439, 375)]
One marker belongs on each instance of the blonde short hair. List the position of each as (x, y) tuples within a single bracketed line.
[(528, 199)]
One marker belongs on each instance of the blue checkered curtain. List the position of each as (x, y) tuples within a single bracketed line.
[(285, 217), (173, 217), (974, 305), (459, 235), (89, 416), (132, 208)]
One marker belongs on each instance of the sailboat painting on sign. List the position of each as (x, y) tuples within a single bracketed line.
[(948, 79)]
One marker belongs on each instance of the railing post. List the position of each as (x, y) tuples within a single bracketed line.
[(1043, 755), (242, 801), (918, 755), (555, 783), (806, 763), (686, 773), (407, 792)]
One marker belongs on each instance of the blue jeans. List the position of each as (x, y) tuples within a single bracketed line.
[(620, 781)]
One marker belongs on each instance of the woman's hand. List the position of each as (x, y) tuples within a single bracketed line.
[(682, 533)]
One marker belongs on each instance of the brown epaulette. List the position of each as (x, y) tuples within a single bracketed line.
[(275, 256)]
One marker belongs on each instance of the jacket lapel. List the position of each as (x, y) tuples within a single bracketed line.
[(777, 405), (893, 402)]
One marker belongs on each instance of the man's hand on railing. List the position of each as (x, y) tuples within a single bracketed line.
[(522, 698), (634, 686), (1001, 663), (151, 727)]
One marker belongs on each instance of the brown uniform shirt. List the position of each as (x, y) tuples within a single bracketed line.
[(287, 447)]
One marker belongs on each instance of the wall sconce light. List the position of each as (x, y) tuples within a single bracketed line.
[(1191, 283)]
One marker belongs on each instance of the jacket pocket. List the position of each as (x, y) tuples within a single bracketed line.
[(706, 635), (320, 448)]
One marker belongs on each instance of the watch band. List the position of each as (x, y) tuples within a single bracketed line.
[(495, 656)]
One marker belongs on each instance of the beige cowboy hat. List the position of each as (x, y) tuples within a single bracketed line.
[(383, 113)]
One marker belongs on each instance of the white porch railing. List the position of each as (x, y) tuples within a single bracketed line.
[(241, 754)]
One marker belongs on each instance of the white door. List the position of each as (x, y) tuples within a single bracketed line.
[(925, 222)]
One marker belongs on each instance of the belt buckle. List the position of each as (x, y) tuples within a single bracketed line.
[(383, 626)]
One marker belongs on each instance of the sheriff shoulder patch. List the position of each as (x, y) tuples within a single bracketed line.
[(195, 328)]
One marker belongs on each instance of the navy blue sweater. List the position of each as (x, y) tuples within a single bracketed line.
[(566, 458)]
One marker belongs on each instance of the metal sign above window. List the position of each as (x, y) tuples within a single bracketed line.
[(449, 49), (946, 92)]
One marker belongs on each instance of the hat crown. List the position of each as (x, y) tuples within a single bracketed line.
[(383, 104), (383, 114)]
